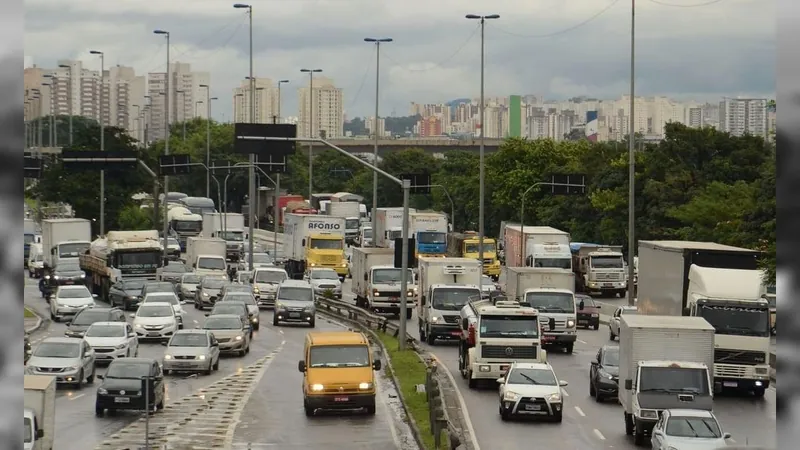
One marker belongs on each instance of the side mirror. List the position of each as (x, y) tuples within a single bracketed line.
[(301, 366), (303, 243), (551, 324), (39, 433), (562, 383), (100, 376), (726, 435), (597, 306), (67, 323), (206, 314), (95, 295), (501, 380), (215, 344), (464, 323), (594, 363), (132, 315), (183, 302), (581, 305), (164, 343), (628, 384), (252, 280)]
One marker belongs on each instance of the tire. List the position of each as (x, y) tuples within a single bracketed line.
[(275, 320), (370, 409), (628, 424), (242, 353), (592, 390), (247, 350), (638, 436), (210, 368), (596, 326), (167, 372), (430, 338), (503, 414), (80, 380), (569, 348), (257, 326), (160, 405), (90, 380), (313, 323), (471, 382), (98, 411), (53, 316), (309, 411), (611, 335), (216, 365), (409, 313), (759, 392), (558, 417)]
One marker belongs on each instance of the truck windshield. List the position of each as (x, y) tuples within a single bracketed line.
[(29, 238), (139, 260), (606, 262), (431, 237), (394, 234), (452, 299), (326, 244), (339, 356), (554, 302), (187, 226), (475, 248), (368, 233), (673, 380), (737, 321), (72, 250), (211, 263), (380, 276), (28, 430), (237, 236), (352, 224), (554, 263), (526, 327)]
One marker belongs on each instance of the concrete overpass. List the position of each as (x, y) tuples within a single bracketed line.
[(429, 145)]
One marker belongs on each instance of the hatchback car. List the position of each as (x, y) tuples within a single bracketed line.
[(604, 373), (531, 390), (613, 322), (208, 291), (250, 302), (69, 360), (155, 321), (121, 388), (232, 335), (295, 303), (191, 351), (69, 300), (238, 308), (688, 428), (112, 340), (126, 294), (323, 280), (588, 313), (172, 299), (187, 286), (86, 317)]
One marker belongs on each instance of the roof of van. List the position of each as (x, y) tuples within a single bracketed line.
[(337, 338)]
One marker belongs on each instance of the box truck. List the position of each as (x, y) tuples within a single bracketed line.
[(39, 412), (376, 281), (314, 241), (539, 247), (228, 227), (445, 286), (388, 226), (429, 229), (349, 211), (207, 256), (65, 239)]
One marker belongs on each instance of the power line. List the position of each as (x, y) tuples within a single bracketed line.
[(364, 78), (695, 5), (565, 30), (440, 63)]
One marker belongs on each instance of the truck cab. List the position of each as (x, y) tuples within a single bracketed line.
[(599, 269), (213, 265), (445, 286), (429, 230), (384, 290), (467, 245), (326, 250), (184, 223)]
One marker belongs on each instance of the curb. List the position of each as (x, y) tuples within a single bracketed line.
[(39, 322)]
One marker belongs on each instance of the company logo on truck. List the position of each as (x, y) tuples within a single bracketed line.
[(324, 226)]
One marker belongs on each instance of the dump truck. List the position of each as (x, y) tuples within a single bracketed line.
[(121, 254), (467, 245), (599, 269)]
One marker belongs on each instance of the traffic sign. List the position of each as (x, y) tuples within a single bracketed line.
[(249, 139), (420, 182), (91, 160), (568, 184), (33, 167), (174, 164)]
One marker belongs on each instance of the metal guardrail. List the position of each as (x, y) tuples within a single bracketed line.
[(439, 417)]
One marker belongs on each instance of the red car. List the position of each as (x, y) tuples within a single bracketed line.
[(588, 312)]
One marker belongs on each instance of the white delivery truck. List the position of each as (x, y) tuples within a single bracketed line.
[(388, 226), (207, 256), (65, 239), (314, 241), (664, 363), (228, 227), (540, 247), (722, 284), (40, 412), (599, 269), (445, 285), (376, 281), (429, 229), (349, 211), (552, 293)]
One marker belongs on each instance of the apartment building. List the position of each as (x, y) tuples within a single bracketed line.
[(744, 115), (369, 124), (327, 110), (266, 101), (186, 98)]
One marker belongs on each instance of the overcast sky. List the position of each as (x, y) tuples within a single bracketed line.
[(552, 48)]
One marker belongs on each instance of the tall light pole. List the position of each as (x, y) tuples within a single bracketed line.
[(310, 73), (166, 138), (102, 139), (53, 123), (631, 167), (377, 42), (69, 100), (251, 170), (208, 137), (481, 194), (278, 111), (136, 124), (275, 210), (37, 98), (183, 112), (49, 116)]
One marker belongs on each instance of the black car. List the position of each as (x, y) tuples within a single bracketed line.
[(158, 286), (77, 327), (604, 373), (238, 308), (123, 386), (173, 272), (126, 294), (65, 274)]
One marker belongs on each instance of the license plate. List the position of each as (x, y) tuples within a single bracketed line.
[(607, 284), (533, 407), (294, 314), (69, 282), (122, 400), (455, 333), (582, 320), (730, 384), (154, 334), (394, 299), (503, 368), (341, 399)]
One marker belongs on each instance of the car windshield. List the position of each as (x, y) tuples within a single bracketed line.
[(162, 298), (737, 320), (541, 377), (693, 427), (247, 299), (73, 293), (339, 356), (629, 311), (132, 285), (121, 369), (296, 293), (611, 357), (228, 308), (58, 350), (68, 268), (88, 317), (211, 263), (270, 276), (261, 258), (189, 340), (154, 311), (222, 323), (175, 268), (526, 327), (102, 330), (386, 276), (324, 275), (214, 283), (452, 299), (588, 302), (190, 278)]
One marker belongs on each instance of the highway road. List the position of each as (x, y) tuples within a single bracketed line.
[(586, 424)]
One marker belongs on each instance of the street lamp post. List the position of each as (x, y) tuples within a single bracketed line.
[(137, 122), (198, 102), (208, 137), (275, 209), (310, 73), (52, 122), (102, 139), (38, 109), (183, 112), (69, 100), (481, 194), (166, 137), (377, 42), (278, 111), (49, 116), (631, 168)]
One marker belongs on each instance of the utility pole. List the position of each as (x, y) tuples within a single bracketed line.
[(377, 42), (102, 140), (632, 168), (166, 139)]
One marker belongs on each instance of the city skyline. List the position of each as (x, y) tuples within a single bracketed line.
[(682, 52)]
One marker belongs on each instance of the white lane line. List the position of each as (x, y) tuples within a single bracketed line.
[(195, 321), (75, 397), (582, 342), (599, 434), (564, 391), (580, 411), (280, 331)]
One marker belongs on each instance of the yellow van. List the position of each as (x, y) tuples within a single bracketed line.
[(337, 369)]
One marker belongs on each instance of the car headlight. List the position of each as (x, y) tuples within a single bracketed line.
[(317, 387), (510, 396), (205, 294), (83, 275), (137, 325), (47, 277), (376, 293), (121, 346), (255, 319), (648, 414), (308, 309), (256, 290), (570, 323), (167, 357), (410, 294), (238, 338), (70, 369), (201, 357), (102, 391), (554, 397), (434, 319), (365, 386), (55, 277), (278, 305)]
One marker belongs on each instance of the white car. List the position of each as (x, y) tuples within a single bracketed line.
[(323, 280), (112, 340), (68, 300), (265, 285), (613, 322), (488, 285), (688, 428), (172, 299), (155, 321), (532, 390)]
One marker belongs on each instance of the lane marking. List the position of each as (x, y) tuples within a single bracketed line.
[(462, 403), (564, 391), (599, 434), (195, 321), (75, 397), (581, 341), (580, 411)]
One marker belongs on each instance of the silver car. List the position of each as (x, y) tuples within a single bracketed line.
[(191, 351), (688, 428), (187, 286), (68, 300), (232, 335), (70, 360), (323, 280), (250, 301), (295, 303)]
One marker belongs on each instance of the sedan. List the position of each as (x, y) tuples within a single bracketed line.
[(122, 386), (126, 293), (191, 351), (232, 335), (532, 390), (65, 274), (613, 323), (155, 321), (604, 374), (172, 272), (588, 312), (688, 428), (324, 280), (250, 302), (238, 308), (208, 291), (86, 317), (112, 340), (172, 299), (68, 300), (187, 286), (70, 360)]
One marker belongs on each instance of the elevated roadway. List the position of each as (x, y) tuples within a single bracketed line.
[(429, 145)]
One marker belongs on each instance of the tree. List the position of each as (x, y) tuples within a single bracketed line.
[(135, 218)]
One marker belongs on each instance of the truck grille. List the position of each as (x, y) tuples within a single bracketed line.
[(488, 261), (388, 294), (451, 319), (508, 352), (329, 259), (560, 324), (609, 276), (747, 358)]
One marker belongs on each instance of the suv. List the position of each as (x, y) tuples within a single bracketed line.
[(295, 303), (122, 386), (86, 317)]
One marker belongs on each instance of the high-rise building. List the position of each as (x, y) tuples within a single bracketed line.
[(266, 101), (369, 124), (738, 116), (430, 126), (185, 94), (328, 110)]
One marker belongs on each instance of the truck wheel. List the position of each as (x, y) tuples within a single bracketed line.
[(611, 334), (628, 424), (569, 347), (409, 313), (471, 382), (430, 338), (421, 333), (638, 435)]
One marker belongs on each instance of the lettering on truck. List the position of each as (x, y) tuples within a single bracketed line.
[(323, 226)]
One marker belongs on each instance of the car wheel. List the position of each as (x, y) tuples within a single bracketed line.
[(160, 404), (592, 390), (210, 368), (167, 372), (216, 365), (80, 380), (98, 410), (611, 334), (596, 326), (257, 326), (90, 380), (275, 320)]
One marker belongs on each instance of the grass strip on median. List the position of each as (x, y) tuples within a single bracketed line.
[(29, 314), (409, 370)]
